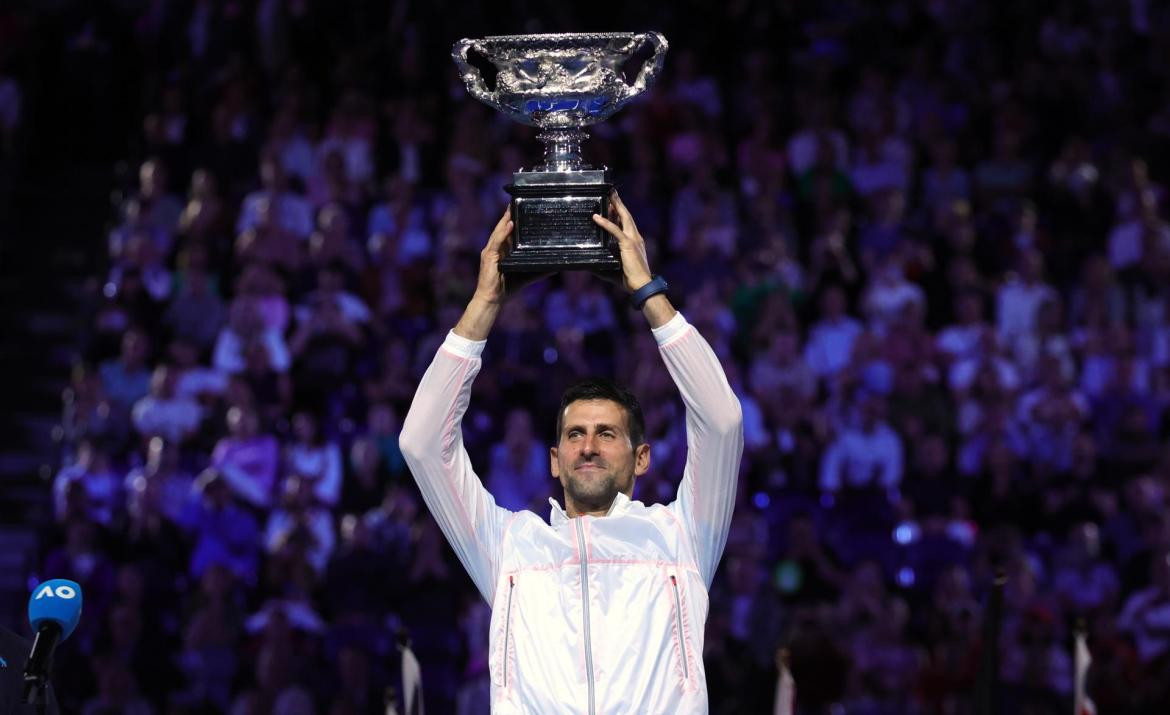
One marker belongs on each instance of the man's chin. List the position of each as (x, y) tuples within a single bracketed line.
[(592, 496)]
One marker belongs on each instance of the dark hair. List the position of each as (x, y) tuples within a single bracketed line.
[(602, 388)]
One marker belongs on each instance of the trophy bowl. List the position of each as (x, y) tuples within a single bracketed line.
[(560, 83)]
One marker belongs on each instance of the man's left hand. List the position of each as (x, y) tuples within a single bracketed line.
[(635, 266)]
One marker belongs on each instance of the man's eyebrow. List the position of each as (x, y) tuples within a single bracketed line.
[(600, 427)]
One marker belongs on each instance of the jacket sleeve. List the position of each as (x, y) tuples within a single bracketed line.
[(432, 445), (706, 496)]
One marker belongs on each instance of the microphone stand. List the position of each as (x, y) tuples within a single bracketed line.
[(36, 672), (36, 692)]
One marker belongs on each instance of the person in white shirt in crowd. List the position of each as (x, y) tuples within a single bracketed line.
[(164, 412), (965, 337), (1047, 340), (95, 477), (518, 468), (299, 510), (865, 455), (399, 221), (350, 134), (1019, 298), (888, 294), (199, 382), (289, 210), (803, 146), (331, 289), (991, 352), (829, 348), (314, 459), (246, 324), (173, 485), (1133, 239)]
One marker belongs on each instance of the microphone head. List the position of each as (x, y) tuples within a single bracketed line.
[(57, 600)]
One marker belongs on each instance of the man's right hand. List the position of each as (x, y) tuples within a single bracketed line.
[(490, 287)]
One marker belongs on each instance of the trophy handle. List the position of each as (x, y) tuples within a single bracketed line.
[(651, 68), (470, 74)]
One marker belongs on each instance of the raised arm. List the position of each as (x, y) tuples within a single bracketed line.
[(706, 496), (432, 439), (432, 445)]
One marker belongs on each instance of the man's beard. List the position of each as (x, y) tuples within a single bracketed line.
[(592, 495)]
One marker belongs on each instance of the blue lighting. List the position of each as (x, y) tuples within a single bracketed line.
[(761, 500), (905, 577)]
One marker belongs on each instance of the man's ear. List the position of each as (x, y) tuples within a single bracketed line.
[(641, 459), (554, 466)]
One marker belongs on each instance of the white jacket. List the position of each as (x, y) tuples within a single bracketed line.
[(593, 614)]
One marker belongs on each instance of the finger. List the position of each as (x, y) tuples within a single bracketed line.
[(504, 220), (501, 234), (610, 226), (624, 213)]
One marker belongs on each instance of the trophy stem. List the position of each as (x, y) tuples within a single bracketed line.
[(562, 149)]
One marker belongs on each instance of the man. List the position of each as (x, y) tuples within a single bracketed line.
[(602, 608)]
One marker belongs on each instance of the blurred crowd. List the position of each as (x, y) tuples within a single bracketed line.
[(927, 239)]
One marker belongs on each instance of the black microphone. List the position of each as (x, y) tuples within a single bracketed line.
[(53, 612)]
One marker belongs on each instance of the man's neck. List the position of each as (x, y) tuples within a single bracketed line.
[(573, 511)]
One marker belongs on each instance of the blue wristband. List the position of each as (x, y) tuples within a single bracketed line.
[(639, 297)]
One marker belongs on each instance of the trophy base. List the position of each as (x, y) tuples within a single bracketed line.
[(554, 229)]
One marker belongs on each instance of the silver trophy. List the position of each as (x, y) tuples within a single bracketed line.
[(560, 83)]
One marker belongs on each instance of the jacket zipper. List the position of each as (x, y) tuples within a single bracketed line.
[(682, 647), (508, 627), (585, 612)]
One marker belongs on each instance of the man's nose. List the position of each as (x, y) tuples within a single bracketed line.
[(589, 445)]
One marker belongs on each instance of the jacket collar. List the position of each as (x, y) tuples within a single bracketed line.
[(557, 516)]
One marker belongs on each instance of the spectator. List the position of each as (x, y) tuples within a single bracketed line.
[(164, 412), (126, 379), (223, 531), (314, 459), (92, 482), (830, 341), (518, 475), (247, 459), (868, 455)]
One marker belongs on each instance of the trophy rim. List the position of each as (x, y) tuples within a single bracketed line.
[(587, 38)]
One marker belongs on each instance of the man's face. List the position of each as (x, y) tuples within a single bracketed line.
[(594, 458)]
